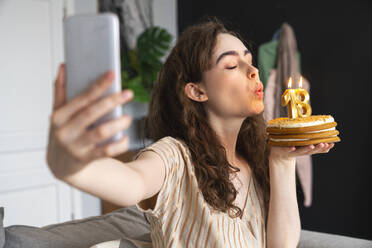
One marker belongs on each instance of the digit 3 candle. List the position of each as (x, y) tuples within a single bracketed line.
[(302, 101)]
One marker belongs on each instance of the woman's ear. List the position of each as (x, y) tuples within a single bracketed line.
[(195, 92)]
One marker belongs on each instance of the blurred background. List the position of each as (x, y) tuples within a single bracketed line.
[(333, 40)]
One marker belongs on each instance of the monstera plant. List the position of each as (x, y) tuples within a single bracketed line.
[(141, 66)]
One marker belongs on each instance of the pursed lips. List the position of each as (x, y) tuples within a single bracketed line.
[(259, 89)]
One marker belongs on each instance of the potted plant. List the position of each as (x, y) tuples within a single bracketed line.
[(140, 68)]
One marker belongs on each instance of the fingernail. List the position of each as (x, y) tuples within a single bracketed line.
[(127, 94)]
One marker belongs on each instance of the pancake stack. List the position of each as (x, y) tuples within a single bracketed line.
[(304, 131)]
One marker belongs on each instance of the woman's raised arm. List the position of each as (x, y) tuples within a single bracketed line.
[(74, 157), (123, 184)]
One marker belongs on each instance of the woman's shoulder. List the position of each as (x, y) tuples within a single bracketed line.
[(170, 139), (171, 143), (176, 163), (169, 148)]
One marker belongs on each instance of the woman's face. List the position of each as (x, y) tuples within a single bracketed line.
[(232, 84)]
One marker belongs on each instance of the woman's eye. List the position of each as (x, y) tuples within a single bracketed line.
[(232, 67)]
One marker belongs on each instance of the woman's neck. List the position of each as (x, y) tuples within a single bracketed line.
[(227, 132)]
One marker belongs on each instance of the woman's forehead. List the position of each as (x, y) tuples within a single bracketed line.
[(227, 42)]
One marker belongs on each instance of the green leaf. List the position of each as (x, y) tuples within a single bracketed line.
[(153, 44), (141, 66), (140, 93)]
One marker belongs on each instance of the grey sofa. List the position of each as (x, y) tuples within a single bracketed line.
[(130, 226)]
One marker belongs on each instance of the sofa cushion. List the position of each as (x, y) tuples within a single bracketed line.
[(108, 244), (310, 239), (122, 223), (2, 234), (124, 243), (132, 228)]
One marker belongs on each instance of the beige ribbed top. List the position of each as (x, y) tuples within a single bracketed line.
[(182, 218)]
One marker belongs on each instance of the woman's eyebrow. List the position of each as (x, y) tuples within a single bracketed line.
[(232, 52)]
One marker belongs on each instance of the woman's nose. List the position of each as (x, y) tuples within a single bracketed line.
[(253, 73)]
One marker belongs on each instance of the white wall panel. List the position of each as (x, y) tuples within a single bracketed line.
[(27, 212), (31, 47), (25, 66)]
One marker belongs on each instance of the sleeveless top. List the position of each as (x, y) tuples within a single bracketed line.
[(181, 216)]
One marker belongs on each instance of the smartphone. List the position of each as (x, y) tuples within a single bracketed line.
[(92, 47)]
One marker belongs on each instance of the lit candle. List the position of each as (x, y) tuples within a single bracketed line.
[(297, 101), (289, 98), (303, 106)]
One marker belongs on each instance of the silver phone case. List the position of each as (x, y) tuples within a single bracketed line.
[(92, 47)]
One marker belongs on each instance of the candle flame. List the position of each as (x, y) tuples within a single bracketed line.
[(290, 82), (300, 84)]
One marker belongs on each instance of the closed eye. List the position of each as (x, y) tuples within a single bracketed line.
[(231, 68)]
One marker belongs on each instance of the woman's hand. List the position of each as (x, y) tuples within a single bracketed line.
[(288, 154), (70, 145)]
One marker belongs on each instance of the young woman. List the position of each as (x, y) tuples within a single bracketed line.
[(209, 179)]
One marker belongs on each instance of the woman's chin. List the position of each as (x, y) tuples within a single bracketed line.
[(254, 110), (259, 108), (255, 113)]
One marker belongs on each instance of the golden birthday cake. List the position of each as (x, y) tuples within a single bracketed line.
[(301, 128), (302, 131)]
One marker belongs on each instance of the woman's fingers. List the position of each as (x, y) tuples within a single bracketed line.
[(291, 152), (326, 147), (65, 112), (103, 132), (300, 151), (111, 150), (60, 88), (320, 148), (313, 149), (79, 123)]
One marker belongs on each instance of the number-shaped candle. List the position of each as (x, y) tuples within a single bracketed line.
[(303, 106), (289, 98), (297, 101)]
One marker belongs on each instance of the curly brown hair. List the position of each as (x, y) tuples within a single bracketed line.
[(172, 113)]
